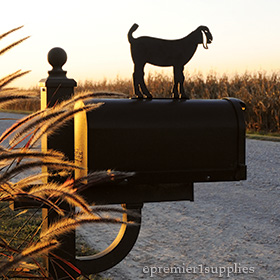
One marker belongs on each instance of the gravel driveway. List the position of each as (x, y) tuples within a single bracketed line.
[(230, 231)]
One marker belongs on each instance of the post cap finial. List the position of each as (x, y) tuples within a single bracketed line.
[(57, 58)]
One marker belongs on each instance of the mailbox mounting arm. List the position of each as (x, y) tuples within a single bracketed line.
[(119, 248)]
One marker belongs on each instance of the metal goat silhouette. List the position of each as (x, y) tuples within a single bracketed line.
[(162, 52)]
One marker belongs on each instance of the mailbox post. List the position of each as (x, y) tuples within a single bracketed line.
[(56, 88)]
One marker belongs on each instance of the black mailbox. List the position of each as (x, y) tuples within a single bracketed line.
[(166, 142)]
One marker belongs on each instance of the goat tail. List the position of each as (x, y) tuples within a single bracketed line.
[(131, 30)]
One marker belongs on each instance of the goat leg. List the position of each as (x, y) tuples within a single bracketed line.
[(175, 90), (181, 85), (182, 92), (145, 90), (178, 77), (136, 86), (142, 84)]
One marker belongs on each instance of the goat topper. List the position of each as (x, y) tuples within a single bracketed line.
[(161, 52)]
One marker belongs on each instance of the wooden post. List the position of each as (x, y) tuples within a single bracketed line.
[(56, 88)]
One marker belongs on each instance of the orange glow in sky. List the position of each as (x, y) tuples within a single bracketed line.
[(94, 35)]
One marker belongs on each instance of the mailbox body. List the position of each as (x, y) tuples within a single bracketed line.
[(164, 141)]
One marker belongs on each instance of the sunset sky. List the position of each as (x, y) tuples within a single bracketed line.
[(94, 35)]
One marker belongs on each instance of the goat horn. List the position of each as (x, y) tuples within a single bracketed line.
[(204, 40)]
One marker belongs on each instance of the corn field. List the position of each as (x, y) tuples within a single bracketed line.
[(260, 91)]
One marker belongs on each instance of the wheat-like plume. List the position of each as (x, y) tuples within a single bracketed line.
[(13, 45), (51, 120), (50, 154), (34, 179), (97, 177), (4, 99), (2, 80), (30, 252), (19, 124), (10, 31), (85, 95), (49, 116), (40, 200), (8, 79), (65, 192), (68, 224), (60, 165), (7, 189), (61, 120), (35, 123)]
